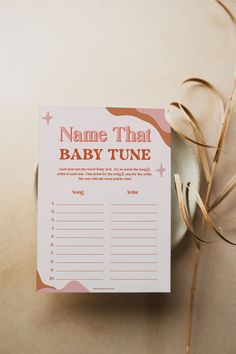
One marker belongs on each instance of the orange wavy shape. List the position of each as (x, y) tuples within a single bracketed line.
[(40, 283), (143, 116)]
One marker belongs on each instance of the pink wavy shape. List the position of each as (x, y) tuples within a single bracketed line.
[(71, 287), (158, 115)]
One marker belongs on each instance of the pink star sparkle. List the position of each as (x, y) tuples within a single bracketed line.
[(47, 118), (161, 170)]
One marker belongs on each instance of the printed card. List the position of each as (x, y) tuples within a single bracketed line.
[(104, 200)]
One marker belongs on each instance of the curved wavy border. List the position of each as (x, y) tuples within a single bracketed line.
[(71, 287), (143, 116)]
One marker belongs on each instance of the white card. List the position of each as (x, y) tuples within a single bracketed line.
[(104, 200)]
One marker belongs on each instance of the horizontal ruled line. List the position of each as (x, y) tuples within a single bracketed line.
[(79, 245), (79, 254), (134, 237), (138, 204), (79, 220), (134, 246), (133, 229), (79, 262), (65, 204), (134, 279), (134, 220), (134, 254), (78, 278), (81, 229), (78, 271), (86, 237), (134, 212), (80, 212), (134, 270), (130, 262)]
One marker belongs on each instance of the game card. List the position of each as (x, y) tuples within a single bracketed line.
[(104, 200)]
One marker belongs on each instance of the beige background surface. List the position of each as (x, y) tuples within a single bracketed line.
[(120, 53)]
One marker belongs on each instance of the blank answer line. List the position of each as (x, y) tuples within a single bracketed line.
[(79, 254), (79, 262), (134, 254), (134, 270), (134, 212), (133, 229), (78, 278), (134, 237), (78, 271), (130, 262), (134, 246), (138, 204), (134, 279), (80, 212), (134, 220), (65, 204), (86, 237), (80, 229), (79, 245), (79, 220)]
